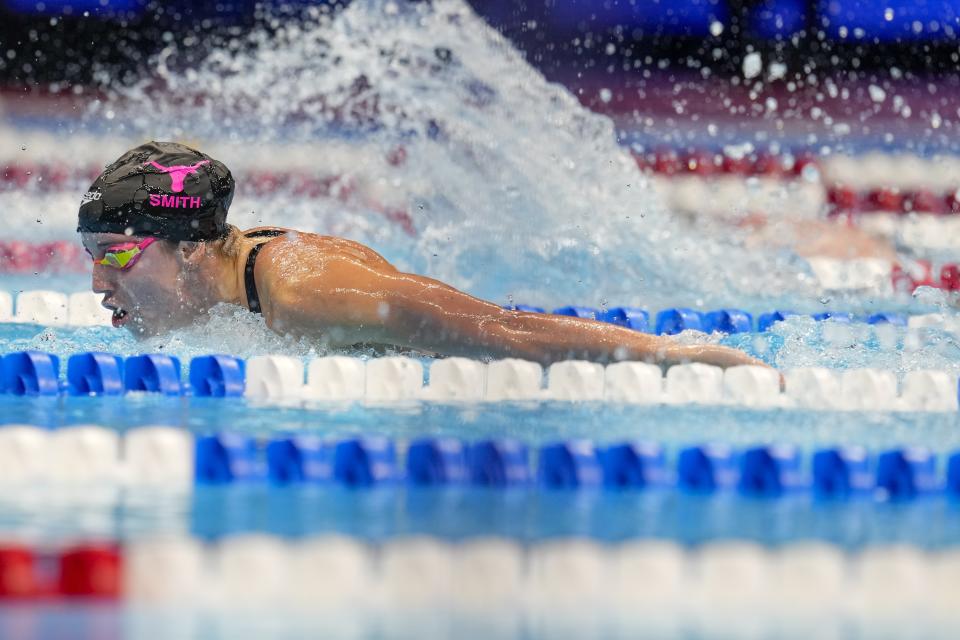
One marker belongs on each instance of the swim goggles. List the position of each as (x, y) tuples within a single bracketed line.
[(123, 256)]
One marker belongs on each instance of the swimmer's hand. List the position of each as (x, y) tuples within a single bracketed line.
[(716, 355)]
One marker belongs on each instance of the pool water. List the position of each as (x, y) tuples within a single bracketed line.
[(516, 194), (52, 516), (529, 513)]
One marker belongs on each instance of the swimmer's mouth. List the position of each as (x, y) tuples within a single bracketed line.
[(119, 317)]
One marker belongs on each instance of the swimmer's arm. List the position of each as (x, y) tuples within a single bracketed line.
[(442, 319), (357, 301)]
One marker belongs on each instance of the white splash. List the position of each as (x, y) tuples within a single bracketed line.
[(517, 191)]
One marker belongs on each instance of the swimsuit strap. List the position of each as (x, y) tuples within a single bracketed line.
[(253, 299)]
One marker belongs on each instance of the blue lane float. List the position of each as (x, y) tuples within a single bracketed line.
[(728, 321), (299, 459), (30, 373), (589, 313), (836, 316), (364, 462), (904, 474), (895, 319), (633, 465), (99, 374), (707, 468), (629, 317), (843, 472), (153, 373), (767, 320), (953, 475), (217, 376), (437, 461), (673, 321), (227, 458), (107, 374), (498, 463), (570, 465), (769, 472)]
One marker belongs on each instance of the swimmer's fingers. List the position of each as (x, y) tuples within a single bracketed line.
[(716, 355)]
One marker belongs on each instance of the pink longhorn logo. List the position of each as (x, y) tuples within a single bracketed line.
[(177, 173)]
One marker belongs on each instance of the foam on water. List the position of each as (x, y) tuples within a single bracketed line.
[(247, 336), (515, 188), (801, 341)]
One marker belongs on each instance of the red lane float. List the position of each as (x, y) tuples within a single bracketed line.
[(18, 573), (920, 273), (926, 201), (46, 177), (670, 162), (844, 200), (90, 572), (61, 256), (906, 278), (953, 202), (86, 571), (950, 277)]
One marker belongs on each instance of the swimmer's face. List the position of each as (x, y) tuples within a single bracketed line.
[(152, 296)]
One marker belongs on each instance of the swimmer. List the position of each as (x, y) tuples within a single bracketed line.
[(154, 223), (817, 239)]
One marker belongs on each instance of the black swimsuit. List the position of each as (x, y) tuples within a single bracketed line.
[(253, 299)]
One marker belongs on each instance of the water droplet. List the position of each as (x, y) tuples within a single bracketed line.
[(752, 65), (810, 173)]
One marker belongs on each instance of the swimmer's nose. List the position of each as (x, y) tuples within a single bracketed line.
[(100, 283)]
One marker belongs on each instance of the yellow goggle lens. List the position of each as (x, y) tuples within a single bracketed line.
[(119, 259)]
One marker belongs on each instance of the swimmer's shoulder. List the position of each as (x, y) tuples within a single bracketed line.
[(296, 264), (311, 249), (306, 280)]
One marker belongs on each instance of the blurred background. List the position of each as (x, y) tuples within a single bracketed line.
[(634, 60)]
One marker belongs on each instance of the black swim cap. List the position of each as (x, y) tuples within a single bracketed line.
[(162, 189)]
